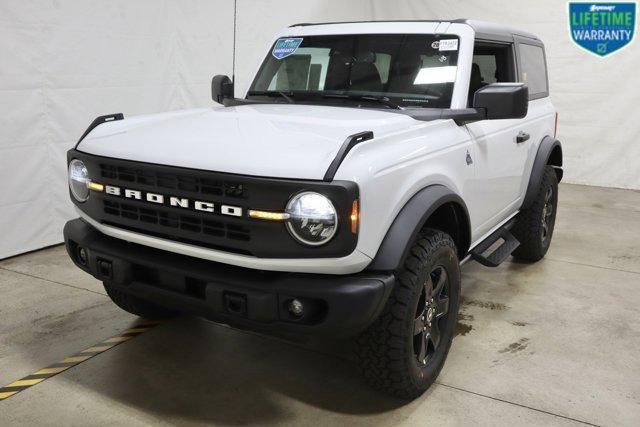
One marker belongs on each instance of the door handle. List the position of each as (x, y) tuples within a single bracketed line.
[(522, 137)]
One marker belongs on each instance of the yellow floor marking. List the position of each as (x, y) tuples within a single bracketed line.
[(133, 330), (51, 370), (75, 359), (96, 349), (20, 383), (5, 394), (117, 339)]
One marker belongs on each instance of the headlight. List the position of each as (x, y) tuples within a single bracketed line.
[(312, 218), (78, 178)]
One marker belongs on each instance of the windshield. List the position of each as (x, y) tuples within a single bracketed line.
[(408, 70)]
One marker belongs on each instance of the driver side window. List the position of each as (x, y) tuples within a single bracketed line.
[(492, 63)]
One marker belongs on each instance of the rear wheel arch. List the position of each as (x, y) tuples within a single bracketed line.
[(549, 153), (435, 207), (555, 160)]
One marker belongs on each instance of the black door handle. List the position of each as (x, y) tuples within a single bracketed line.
[(522, 137)]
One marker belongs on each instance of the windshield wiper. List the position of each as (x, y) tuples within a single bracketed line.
[(305, 96), (379, 99), (272, 93)]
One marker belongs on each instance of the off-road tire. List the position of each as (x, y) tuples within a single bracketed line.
[(137, 306), (529, 228), (386, 350)]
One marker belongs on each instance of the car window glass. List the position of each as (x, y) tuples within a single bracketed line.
[(382, 63), (306, 70), (532, 69), (417, 70), (492, 63)]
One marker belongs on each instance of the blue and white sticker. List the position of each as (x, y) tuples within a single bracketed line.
[(286, 47)]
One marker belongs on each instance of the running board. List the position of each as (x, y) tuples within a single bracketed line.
[(500, 243)]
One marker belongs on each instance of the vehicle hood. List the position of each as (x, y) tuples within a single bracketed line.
[(271, 140)]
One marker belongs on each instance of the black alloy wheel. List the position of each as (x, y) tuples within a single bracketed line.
[(403, 351), (431, 312), (547, 215)]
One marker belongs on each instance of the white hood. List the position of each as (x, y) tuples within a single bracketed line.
[(271, 140)]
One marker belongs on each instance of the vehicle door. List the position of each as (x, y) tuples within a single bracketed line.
[(540, 119), (501, 148)]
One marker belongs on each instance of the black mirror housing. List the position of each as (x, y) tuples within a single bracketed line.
[(503, 100), (221, 88)]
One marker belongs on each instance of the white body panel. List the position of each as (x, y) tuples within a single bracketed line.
[(270, 140), (300, 141), (503, 166)]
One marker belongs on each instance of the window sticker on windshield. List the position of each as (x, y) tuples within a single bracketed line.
[(286, 47), (450, 44)]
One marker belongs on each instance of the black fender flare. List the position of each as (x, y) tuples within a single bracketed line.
[(548, 145), (403, 232)]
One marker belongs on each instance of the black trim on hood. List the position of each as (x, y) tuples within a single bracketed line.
[(97, 122), (347, 145)]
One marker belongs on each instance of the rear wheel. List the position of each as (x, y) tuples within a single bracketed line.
[(403, 352), (534, 226), (135, 305)]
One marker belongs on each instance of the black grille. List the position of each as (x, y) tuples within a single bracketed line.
[(217, 230), (170, 181), (172, 220)]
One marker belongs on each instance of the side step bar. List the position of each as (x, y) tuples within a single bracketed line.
[(496, 248)]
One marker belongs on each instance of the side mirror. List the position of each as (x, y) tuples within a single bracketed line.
[(221, 88), (503, 100)]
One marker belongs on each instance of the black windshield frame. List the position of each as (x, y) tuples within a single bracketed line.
[(392, 65)]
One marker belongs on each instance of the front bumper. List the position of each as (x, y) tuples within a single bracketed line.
[(241, 297)]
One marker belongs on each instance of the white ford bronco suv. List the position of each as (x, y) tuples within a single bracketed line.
[(339, 196)]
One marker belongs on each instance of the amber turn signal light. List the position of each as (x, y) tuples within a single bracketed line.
[(355, 216)]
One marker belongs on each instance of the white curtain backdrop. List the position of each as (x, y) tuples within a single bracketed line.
[(64, 62)]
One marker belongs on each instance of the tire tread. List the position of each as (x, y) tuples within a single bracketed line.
[(528, 227), (382, 349)]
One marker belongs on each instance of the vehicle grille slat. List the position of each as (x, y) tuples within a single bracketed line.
[(175, 223)]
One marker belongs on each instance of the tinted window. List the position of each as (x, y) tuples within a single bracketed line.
[(533, 71), (487, 65), (492, 63), (409, 69)]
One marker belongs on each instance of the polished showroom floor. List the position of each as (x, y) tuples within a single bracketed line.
[(554, 343)]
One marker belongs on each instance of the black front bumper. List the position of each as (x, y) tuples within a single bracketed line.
[(241, 297)]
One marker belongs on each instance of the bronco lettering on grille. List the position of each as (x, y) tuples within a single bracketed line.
[(178, 202)]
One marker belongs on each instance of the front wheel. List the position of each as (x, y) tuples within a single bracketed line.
[(404, 350)]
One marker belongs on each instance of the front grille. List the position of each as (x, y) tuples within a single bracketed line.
[(226, 195), (206, 229), (171, 220), (170, 181)]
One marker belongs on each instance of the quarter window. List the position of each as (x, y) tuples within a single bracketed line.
[(533, 70)]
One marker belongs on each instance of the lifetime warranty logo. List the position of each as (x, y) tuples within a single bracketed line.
[(602, 28)]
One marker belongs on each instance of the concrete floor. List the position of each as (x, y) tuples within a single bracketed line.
[(555, 343)]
